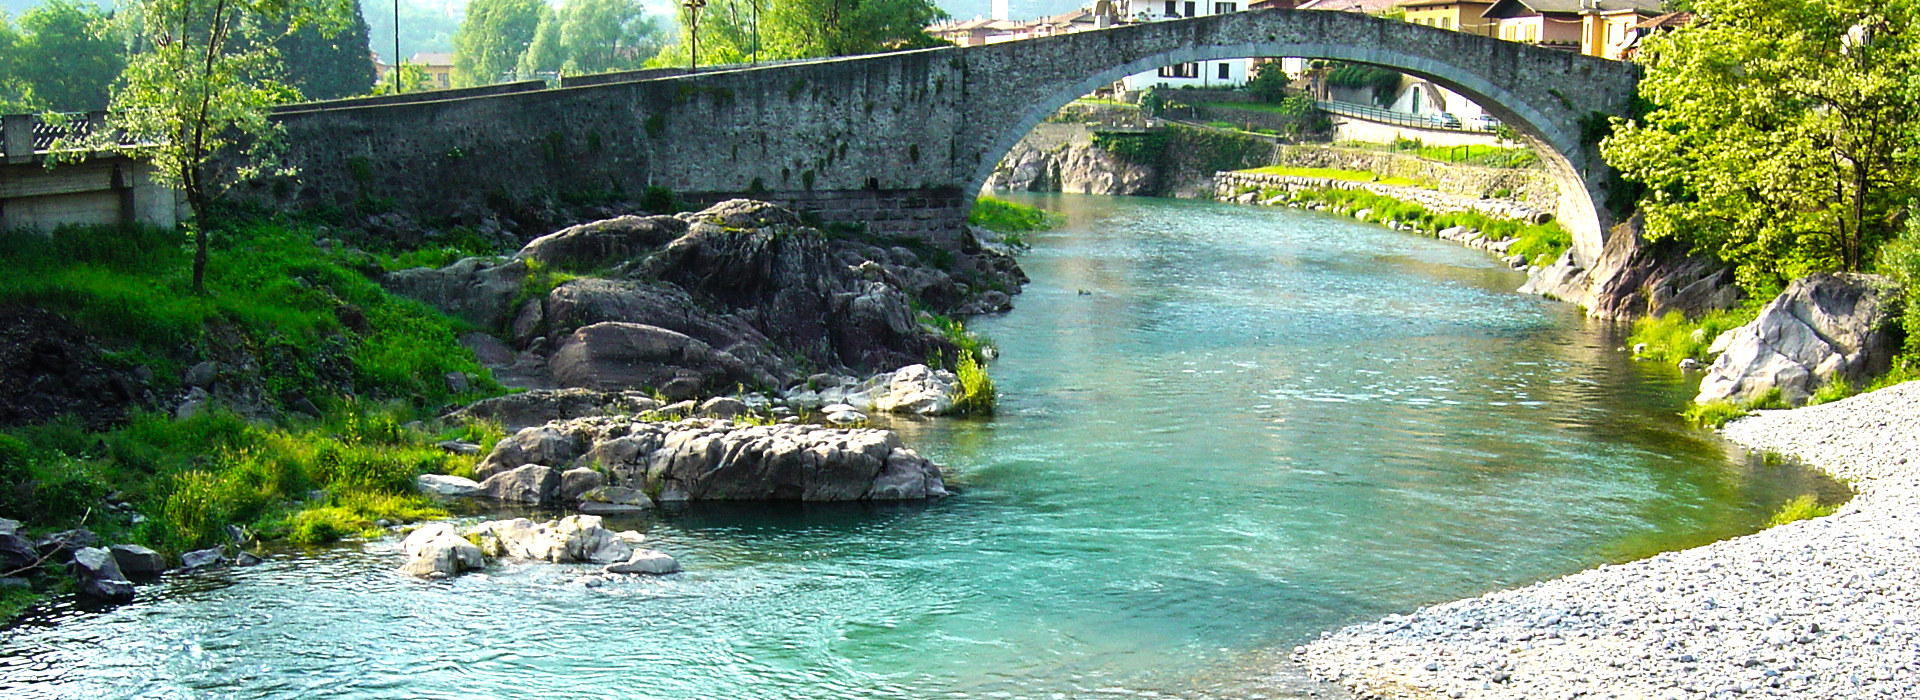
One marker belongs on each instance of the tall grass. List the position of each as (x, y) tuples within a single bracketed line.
[(1804, 507), (1673, 337), (1012, 219)]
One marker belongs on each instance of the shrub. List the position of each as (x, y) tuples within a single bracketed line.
[(977, 396), (1011, 218), (1804, 507)]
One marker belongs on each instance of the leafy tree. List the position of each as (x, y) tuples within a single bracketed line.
[(70, 53), (1269, 83), (196, 100), (1781, 133), (729, 31), (492, 38), (16, 93), (410, 76), (592, 36), (326, 67)]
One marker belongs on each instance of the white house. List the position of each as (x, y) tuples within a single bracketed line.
[(1227, 73)]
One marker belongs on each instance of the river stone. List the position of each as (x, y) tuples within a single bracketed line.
[(845, 417), (202, 558), (646, 561), (135, 560), (457, 447), (723, 407), (447, 485), (1824, 328), (536, 445), (575, 483), (614, 500), (575, 538), (436, 550), (918, 389), (200, 375), (16, 551), (100, 576), (533, 408), (532, 484)]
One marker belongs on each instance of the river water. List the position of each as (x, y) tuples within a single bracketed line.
[(1222, 430)]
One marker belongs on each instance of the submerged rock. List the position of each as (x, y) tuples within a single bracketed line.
[(1824, 328), (645, 561)]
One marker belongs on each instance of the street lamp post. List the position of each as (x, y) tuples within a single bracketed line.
[(693, 8)]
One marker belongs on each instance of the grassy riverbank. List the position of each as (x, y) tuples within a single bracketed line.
[(304, 434), (1540, 244)]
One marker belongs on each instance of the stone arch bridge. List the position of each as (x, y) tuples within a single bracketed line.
[(901, 141)]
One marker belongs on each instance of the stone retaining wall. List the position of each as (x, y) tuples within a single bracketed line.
[(1533, 187), (1232, 186)]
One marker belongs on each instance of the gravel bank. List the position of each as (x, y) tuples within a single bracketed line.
[(1823, 608)]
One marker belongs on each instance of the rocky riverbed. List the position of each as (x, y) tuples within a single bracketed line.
[(1822, 608)]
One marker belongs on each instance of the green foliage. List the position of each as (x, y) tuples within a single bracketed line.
[(1010, 218), (1716, 413), (1803, 507), (735, 31), (977, 396), (1713, 414), (492, 38), (1145, 148), (592, 36), (1900, 260), (1541, 244), (1334, 174), (1782, 133), (67, 54), (1832, 391), (1385, 83), (326, 65), (1673, 337), (1269, 83)]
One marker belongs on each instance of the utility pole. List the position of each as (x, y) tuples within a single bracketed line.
[(399, 81)]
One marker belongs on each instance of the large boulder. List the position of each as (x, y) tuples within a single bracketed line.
[(918, 389), (100, 576), (704, 459), (531, 484), (135, 560), (575, 483), (645, 561), (436, 550), (587, 301), (477, 290), (537, 445), (16, 551), (603, 243), (447, 486), (1824, 328), (614, 500), (631, 355)]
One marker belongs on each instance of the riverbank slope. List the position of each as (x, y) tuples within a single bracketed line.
[(1823, 608)]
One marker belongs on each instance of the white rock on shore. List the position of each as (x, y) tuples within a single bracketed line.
[(1822, 608)]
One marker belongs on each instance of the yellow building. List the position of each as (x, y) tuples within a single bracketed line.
[(1457, 15)]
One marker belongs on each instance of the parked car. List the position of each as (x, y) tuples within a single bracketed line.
[(1484, 122), (1444, 120)]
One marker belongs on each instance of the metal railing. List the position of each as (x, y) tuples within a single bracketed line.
[(1388, 116), (24, 136)]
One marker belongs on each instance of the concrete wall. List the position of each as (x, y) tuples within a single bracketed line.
[(920, 126), (106, 190)]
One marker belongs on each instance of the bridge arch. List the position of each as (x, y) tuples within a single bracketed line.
[(1545, 95)]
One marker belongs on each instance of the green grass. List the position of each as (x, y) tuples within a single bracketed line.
[(1832, 391), (1805, 507), (1717, 413), (1011, 219), (1673, 337), (977, 395), (1481, 155), (1541, 244), (1334, 174)]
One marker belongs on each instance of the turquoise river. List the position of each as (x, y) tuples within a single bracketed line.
[(1223, 430)]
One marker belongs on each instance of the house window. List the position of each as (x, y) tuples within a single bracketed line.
[(1531, 36), (1221, 8), (1173, 8), (1446, 22), (1181, 70), (1225, 72), (1190, 11)]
